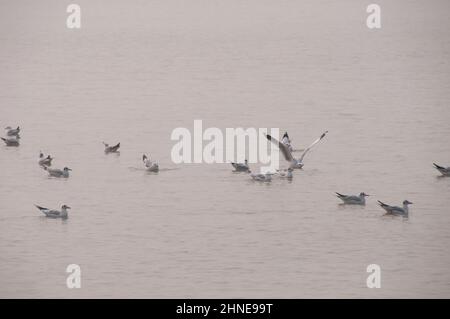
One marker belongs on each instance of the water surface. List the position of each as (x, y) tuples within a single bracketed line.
[(138, 69)]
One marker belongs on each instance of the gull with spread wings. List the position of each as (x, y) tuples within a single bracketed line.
[(287, 153)]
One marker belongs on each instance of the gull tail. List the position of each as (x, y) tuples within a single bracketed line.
[(41, 208), (339, 195), (382, 204), (437, 166)]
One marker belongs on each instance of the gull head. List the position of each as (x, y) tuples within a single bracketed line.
[(67, 169), (296, 164), (364, 194), (65, 207), (406, 202)]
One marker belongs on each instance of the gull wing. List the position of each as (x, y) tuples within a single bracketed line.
[(383, 204), (441, 169), (313, 143), (284, 148), (41, 208), (386, 207), (53, 213), (44, 210)]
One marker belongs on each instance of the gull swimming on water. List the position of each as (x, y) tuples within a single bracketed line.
[(12, 132), (149, 165), (294, 163), (241, 167), (45, 161), (352, 199), (11, 141), (259, 177), (111, 149), (53, 213), (287, 173), (445, 171), (54, 172), (395, 210)]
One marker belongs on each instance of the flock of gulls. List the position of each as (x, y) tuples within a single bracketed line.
[(12, 139), (297, 163)]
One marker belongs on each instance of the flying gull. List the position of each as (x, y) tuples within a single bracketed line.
[(294, 163)]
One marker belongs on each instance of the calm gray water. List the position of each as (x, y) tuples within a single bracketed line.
[(138, 69)]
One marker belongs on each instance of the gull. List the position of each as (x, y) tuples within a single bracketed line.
[(294, 163), (395, 210), (267, 177), (445, 171), (287, 173), (11, 141), (45, 161), (149, 165), (53, 213), (12, 132), (352, 199), (111, 149), (241, 167), (57, 172)]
